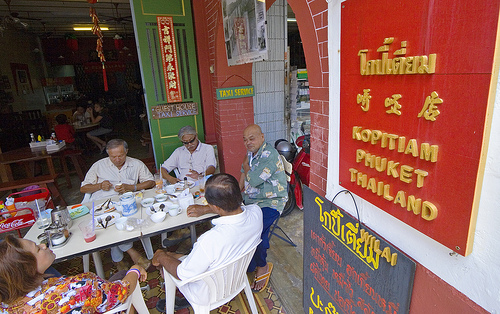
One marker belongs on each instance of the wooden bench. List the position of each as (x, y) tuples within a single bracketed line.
[(46, 181)]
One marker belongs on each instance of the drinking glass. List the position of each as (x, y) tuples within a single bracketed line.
[(159, 183), (88, 230), (202, 179)]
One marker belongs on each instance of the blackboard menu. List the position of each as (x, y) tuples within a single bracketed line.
[(348, 268)]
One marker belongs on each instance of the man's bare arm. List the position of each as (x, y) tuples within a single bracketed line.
[(170, 263)]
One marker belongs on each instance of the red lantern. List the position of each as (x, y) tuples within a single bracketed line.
[(72, 44), (118, 43)]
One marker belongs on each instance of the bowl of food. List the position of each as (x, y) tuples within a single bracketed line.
[(160, 197), (147, 202)]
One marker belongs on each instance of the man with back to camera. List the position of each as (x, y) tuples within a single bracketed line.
[(263, 182), (191, 159), (236, 230), (115, 175)]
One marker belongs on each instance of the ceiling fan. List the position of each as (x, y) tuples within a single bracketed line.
[(15, 15), (118, 19)]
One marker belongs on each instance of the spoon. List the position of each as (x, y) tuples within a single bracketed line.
[(99, 220), (108, 219), (152, 208), (171, 195), (162, 206)]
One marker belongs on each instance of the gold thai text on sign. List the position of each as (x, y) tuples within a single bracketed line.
[(174, 110), (169, 58), (400, 64)]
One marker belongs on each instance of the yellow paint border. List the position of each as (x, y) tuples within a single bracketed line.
[(485, 143), (155, 14), (170, 136)]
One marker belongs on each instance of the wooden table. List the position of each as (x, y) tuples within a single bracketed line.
[(106, 238), (27, 157), (85, 128)]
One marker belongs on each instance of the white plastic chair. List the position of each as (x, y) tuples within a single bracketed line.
[(224, 283), (136, 299)]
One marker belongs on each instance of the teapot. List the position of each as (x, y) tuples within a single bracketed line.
[(61, 217)]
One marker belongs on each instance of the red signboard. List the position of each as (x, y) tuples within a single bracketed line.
[(415, 94), (169, 57)]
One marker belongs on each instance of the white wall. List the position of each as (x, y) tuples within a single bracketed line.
[(477, 275)]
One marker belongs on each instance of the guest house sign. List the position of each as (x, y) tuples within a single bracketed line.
[(169, 58), (415, 103), (348, 268), (174, 110)]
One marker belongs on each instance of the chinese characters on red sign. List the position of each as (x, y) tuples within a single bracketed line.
[(169, 57), (414, 103)]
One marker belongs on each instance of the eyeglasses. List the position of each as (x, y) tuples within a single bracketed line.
[(189, 142)]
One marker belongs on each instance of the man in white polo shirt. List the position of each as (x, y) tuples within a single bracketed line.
[(236, 230), (115, 175), (191, 159)]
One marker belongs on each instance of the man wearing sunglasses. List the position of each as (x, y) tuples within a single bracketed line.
[(191, 159)]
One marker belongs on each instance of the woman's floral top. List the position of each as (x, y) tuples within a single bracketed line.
[(83, 293)]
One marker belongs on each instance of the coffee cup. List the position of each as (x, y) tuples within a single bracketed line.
[(170, 189), (174, 210)]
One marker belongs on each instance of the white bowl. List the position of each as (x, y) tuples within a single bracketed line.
[(160, 197), (158, 217), (121, 223), (148, 202)]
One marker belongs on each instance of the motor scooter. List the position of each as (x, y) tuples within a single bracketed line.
[(300, 160)]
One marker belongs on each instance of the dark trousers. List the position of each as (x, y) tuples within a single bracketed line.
[(259, 258)]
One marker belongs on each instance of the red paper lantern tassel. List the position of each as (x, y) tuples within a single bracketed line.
[(104, 78)]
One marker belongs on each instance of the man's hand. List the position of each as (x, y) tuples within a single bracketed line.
[(172, 180), (197, 210), (246, 165), (122, 188), (106, 185), (159, 254), (193, 174)]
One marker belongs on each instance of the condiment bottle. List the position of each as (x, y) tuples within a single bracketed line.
[(185, 182), (32, 138)]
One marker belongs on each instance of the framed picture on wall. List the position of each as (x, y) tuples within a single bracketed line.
[(22, 78)]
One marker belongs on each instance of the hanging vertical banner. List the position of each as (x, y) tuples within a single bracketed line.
[(245, 31), (169, 57)]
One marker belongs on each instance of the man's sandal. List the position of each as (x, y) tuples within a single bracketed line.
[(265, 277)]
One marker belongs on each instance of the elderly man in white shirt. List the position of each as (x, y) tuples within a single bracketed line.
[(236, 230), (115, 175), (191, 159)]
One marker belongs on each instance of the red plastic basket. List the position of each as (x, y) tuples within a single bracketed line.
[(17, 222)]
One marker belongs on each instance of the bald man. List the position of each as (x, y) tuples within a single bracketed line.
[(263, 182)]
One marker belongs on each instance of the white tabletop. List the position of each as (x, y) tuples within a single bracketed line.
[(105, 238)]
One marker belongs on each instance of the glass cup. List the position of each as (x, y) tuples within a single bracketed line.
[(159, 183), (88, 230), (42, 215), (202, 180)]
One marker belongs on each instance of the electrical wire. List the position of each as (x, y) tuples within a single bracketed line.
[(353, 200)]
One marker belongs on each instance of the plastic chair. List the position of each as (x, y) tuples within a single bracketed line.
[(288, 171), (224, 283), (136, 299)]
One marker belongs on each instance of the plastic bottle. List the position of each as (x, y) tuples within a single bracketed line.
[(3, 209), (53, 137), (9, 204), (32, 138)]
